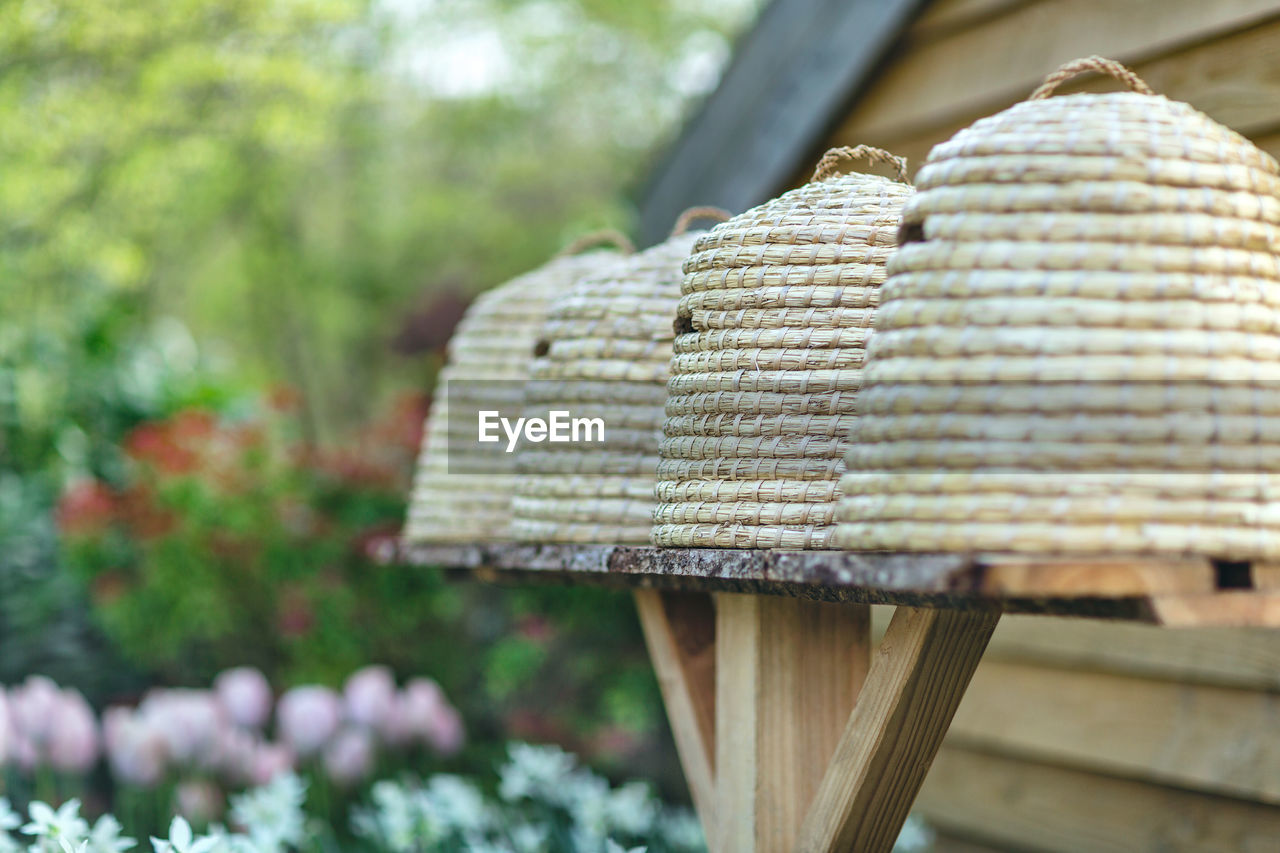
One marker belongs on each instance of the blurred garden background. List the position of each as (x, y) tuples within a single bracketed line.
[(234, 238)]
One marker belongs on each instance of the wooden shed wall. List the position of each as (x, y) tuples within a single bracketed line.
[(1081, 735), (964, 59)]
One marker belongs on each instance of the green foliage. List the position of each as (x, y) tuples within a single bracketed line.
[(229, 542), (203, 202)]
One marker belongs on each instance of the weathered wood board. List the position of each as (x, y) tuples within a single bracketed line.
[(1190, 591)]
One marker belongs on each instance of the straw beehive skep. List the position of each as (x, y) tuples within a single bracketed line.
[(494, 342), (775, 315), (1078, 344), (605, 352)]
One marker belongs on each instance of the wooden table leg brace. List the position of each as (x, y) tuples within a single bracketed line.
[(779, 751)]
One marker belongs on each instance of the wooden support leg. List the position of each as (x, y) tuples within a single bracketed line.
[(916, 681), (788, 673), (680, 631)]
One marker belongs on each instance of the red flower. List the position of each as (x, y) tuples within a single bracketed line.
[(144, 516), (86, 507), (192, 425), (157, 444)]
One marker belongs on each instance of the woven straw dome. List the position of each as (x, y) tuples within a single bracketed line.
[(773, 322), (494, 341), (1077, 346), (605, 352)]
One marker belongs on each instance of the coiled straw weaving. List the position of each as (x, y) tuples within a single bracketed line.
[(605, 352), (773, 323), (1078, 348), (494, 341)]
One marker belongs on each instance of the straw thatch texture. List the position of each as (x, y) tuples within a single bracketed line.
[(605, 351), (494, 341), (776, 309), (1077, 349)]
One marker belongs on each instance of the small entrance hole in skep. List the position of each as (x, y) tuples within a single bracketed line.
[(910, 232), (1232, 574)]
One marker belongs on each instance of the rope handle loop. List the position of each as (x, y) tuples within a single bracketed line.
[(1101, 65), (828, 165), (693, 214), (604, 237)]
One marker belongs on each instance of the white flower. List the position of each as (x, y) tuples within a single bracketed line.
[(534, 771), (9, 819), (57, 825), (181, 840), (106, 837), (455, 803), (585, 796), (394, 821), (68, 847), (611, 846), (224, 842), (631, 809), (272, 814), (682, 831), (528, 838)]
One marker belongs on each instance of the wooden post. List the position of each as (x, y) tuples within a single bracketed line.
[(788, 673), (917, 678), (680, 631)]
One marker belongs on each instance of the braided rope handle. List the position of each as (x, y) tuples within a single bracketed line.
[(1101, 65), (605, 237), (828, 165), (693, 214)]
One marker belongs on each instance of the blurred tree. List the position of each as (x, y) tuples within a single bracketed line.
[(203, 201), (289, 177)]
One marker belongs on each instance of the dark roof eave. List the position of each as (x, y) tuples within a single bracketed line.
[(790, 75)]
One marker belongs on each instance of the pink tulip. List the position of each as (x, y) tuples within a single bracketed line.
[(396, 726), (136, 752), (421, 699), (349, 757), (369, 695), (245, 696), (189, 721), (73, 734), (446, 733), (307, 717), (430, 716), (24, 753), (6, 730), (115, 720), (237, 753), (31, 705), (270, 760), (198, 800)]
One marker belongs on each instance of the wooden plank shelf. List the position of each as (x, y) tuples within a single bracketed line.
[(1167, 591), (798, 734)]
